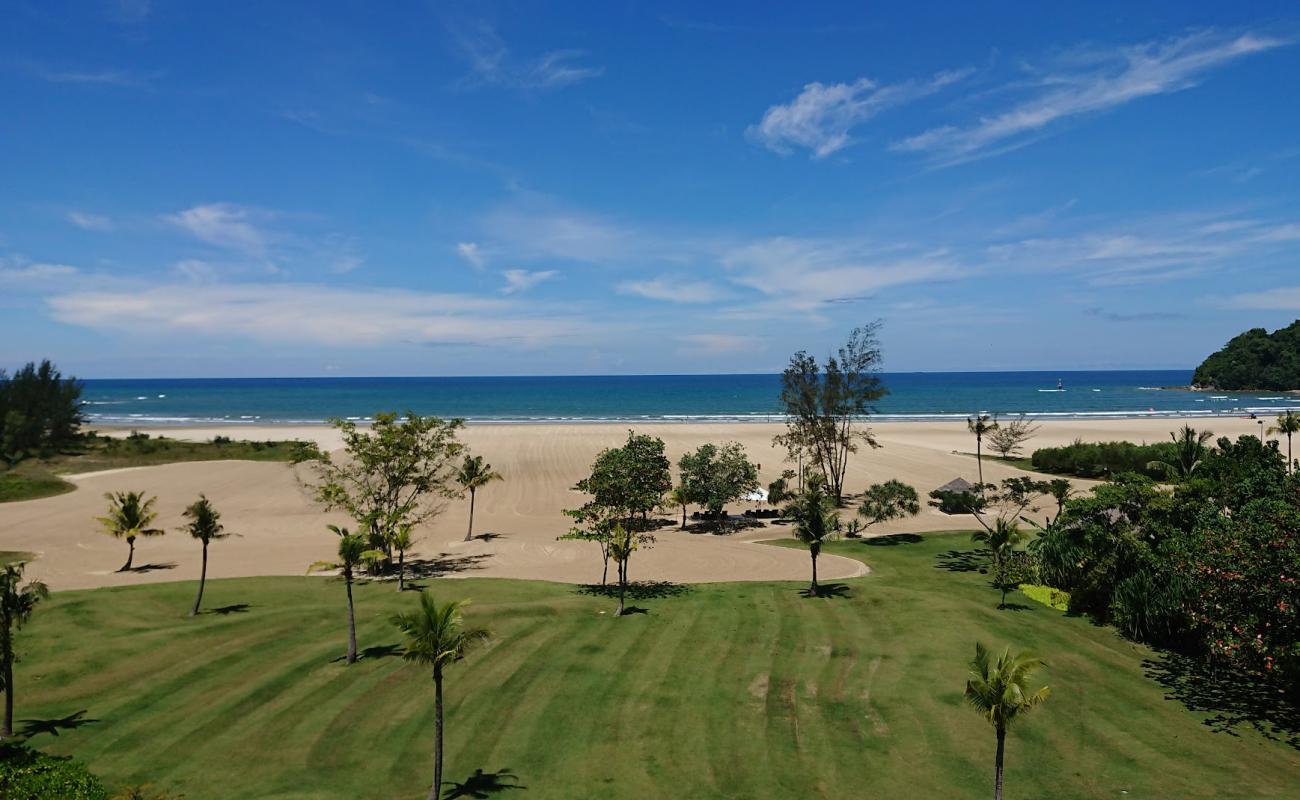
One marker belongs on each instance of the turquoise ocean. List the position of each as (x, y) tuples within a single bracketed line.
[(630, 398)]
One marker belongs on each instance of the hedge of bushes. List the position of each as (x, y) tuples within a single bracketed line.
[(1102, 459), (27, 774)]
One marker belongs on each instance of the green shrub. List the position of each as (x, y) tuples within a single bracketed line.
[(957, 502), (27, 774), (1102, 459)]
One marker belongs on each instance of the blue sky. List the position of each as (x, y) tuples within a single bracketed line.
[(415, 188)]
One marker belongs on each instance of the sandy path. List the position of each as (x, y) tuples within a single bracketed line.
[(281, 531)]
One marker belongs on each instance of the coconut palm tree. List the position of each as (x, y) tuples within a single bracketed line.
[(979, 425), (474, 474), (205, 525), (436, 637), (815, 523), (676, 498), (352, 554), (16, 606), (402, 540), (1061, 490), (1288, 423), (1189, 452), (999, 692), (129, 516)]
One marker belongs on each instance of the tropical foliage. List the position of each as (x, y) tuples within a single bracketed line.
[(436, 637), (891, 500), (129, 516), (474, 473), (999, 691), (17, 602), (353, 553), (815, 523), (1009, 437), (205, 525), (27, 774), (1288, 424), (825, 404), (981, 425), (1103, 459), (712, 476), (1255, 359)]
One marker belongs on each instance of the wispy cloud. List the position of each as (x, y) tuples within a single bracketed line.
[(16, 275), (1283, 298), (224, 225), (471, 252), (823, 116), (90, 222), (519, 281), (535, 229), (281, 313), (492, 63), (1089, 81), (718, 344), (673, 290)]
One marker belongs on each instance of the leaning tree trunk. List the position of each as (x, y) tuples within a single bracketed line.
[(203, 577), (813, 588), (8, 729), (130, 554), (352, 624), (997, 773), (469, 534), (436, 789)]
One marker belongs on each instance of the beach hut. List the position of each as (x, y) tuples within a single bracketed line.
[(957, 485)]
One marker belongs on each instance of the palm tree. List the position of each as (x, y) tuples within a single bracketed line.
[(402, 540), (1061, 490), (436, 637), (979, 425), (129, 516), (815, 523), (1288, 423), (352, 554), (677, 497), (1189, 452), (16, 606), (998, 691), (474, 474), (204, 525)]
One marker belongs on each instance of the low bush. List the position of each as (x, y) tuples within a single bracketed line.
[(27, 774), (1102, 459)]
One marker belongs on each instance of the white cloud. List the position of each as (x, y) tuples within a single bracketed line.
[(492, 63), (90, 222), (822, 117), (223, 225), (519, 281), (282, 313), (470, 252), (558, 233), (805, 273), (1085, 82), (1283, 298), (15, 275), (673, 290), (195, 269)]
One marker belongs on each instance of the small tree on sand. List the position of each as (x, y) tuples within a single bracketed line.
[(403, 540), (815, 523), (16, 606), (351, 555), (677, 498), (999, 691), (474, 474), (713, 476), (129, 515), (1008, 438), (205, 525), (887, 501), (436, 637), (980, 425)]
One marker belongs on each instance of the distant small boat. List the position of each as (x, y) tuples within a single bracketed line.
[(1060, 387)]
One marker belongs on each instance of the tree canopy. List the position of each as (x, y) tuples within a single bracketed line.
[(714, 475), (40, 412), (1255, 359)]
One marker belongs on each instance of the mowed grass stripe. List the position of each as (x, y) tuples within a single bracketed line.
[(580, 704)]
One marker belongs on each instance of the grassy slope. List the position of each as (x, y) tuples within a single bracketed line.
[(732, 690), (37, 478)]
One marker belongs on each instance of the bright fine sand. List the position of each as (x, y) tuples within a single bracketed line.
[(280, 531)]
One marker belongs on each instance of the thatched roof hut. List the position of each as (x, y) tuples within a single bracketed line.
[(957, 485)]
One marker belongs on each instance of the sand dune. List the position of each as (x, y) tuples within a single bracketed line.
[(281, 531)]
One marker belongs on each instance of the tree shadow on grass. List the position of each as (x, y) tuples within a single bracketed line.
[(828, 591), (234, 608), (480, 784), (893, 540), (1229, 696), (641, 590), (1015, 607), (443, 564), (382, 651), (33, 727), (962, 561)]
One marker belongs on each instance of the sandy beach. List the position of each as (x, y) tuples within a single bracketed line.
[(280, 530)]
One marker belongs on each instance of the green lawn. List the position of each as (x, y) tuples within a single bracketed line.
[(718, 691), (30, 481)]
